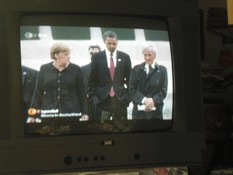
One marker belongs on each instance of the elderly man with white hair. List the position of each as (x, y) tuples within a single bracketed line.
[(148, 87)]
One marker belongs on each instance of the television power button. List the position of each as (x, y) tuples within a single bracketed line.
[(68, 160)]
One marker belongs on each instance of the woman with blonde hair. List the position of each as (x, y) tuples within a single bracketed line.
[(59, 89)]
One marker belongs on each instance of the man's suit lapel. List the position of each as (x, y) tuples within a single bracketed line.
[(143, 74), (24, 77), (118, 63)]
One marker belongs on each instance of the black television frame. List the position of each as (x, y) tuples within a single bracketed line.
[(181, 145)]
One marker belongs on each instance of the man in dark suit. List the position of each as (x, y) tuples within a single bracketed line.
[(148, 87), (86, 70), (28, 82), (108, 81)]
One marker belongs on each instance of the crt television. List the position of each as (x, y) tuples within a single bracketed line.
[(28, 29)]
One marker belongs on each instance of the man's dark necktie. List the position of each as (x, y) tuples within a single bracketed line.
[(112, 71), (149, 71)]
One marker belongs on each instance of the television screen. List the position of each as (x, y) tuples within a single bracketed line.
[(49, 93)]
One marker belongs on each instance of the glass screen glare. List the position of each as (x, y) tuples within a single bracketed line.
[(36, 42)]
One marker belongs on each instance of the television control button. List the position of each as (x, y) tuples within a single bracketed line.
[(102, 158), (68, 160), (96, 158), (136, 156)]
